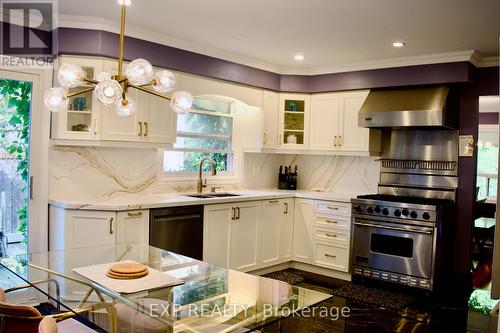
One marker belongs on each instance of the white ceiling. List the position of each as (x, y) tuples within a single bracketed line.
[(330, 33)]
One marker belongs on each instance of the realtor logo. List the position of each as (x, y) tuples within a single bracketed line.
[(28, 28)]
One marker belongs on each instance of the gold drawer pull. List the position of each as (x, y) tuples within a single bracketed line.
[(331, 207), (273, 201), (332, 221), (134, 214), (331, 235), (330, 255), (140, 128)]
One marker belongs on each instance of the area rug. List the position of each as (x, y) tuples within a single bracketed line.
[(285, 276), (373, 296)]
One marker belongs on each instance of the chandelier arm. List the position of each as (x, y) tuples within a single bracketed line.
[(122, 41), (83, 91), (141, 88), (90, 81)]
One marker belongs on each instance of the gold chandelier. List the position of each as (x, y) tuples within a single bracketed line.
[(111, 90)]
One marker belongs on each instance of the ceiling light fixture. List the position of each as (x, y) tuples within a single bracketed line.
[(111, 90), (298, 57), (399, 44)]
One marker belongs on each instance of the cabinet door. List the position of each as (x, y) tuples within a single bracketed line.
[(270, 234), (244, 245), (216, 228), (270, 108), (324, 122), (286, 229), (352, 137), (294, 121), (81, 121), (90, 228), (160, 126), (133, 226), (302, 232), (122, 128)]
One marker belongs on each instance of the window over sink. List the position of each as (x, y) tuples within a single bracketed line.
[(206, 131)]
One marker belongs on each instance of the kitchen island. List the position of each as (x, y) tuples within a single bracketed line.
[(210, 298)]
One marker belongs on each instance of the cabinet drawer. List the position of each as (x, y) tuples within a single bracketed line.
[(330, 207), (331, 256), (331, 235), (332, 221)]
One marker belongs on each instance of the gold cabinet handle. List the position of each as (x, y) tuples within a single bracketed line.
[(331, 235), (286, 208), (335, 141), (332, 221), (95, 126), (233, 213), (333, 208), (341, 141), (273, 201), (330, 255), (145, 128), (281, 139), (111, 225), (140, 128), (131, 214), (265, 138), (237, 213)]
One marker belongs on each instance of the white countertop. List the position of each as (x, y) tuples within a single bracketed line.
[(148, 201)]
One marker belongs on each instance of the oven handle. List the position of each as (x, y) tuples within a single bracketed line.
[(393, 228)]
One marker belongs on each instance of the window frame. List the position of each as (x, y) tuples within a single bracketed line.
[(488, 176), (234, 176)]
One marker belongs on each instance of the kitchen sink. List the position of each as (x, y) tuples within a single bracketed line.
[(211, 195)]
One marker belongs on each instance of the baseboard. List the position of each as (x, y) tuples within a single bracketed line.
[(304, 267)]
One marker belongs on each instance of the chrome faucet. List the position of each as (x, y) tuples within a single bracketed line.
[(200, 186)]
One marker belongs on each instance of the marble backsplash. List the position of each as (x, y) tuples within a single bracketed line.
[(100, 172)]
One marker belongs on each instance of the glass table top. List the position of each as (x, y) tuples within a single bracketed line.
[(211, 299)]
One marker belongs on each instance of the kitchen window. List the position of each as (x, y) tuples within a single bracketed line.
[(206, 131), (487, 162)]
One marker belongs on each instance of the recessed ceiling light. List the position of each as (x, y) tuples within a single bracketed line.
[(239, 36), (399, 44), (298, 57)]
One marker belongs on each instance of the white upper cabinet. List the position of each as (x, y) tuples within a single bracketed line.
[(294, 121), (325, 119), (270, 110), (159, 121), (334, 124), (81, 121)]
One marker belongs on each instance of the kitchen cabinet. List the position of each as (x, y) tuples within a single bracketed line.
[(69, 229), (132, 226), (294, 121), (244, 236), (272, 211), (81, 121), (302, 230), (152, 122), (270, 110), (216, 233), (286, 229), (334, 124)]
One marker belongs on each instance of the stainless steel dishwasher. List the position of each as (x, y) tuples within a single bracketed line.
[(178, 229)]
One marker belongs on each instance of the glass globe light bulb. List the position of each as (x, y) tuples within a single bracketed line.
[(139, 72), (181, 102), (108, 91), (125, 108), (102, 76), (164, 81), (70, 75), (56, 99)]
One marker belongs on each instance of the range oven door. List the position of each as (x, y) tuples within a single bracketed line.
[(391, 247)]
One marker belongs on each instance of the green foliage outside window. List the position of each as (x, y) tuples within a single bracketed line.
[(15, 119), (487, 163)]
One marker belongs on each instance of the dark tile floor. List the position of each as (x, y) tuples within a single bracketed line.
[(416, 317)]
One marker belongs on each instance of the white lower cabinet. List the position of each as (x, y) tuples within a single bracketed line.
[(216, 223), (276, 233), (244, 237), (302, 230), (331, 255), (73, 228), (286, 229), (133, 226)]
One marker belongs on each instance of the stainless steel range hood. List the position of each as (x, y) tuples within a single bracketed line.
[(406, 108)]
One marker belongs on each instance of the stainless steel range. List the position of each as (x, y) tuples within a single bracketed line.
[(395, 238)]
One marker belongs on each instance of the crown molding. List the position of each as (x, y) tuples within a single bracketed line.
[(92, 23)]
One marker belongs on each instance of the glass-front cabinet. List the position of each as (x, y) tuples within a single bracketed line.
[(81, 119), (294, 121)]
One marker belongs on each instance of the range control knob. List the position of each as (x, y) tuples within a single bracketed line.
[(426, 216), (359, 209), (397, 213), (378, 209), (370, 210), (413, 214), (385, 211), (406, 212)]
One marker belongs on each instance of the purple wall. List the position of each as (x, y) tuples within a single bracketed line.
[(103, 43)]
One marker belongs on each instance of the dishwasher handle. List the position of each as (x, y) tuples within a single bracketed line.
[(176, 218)]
